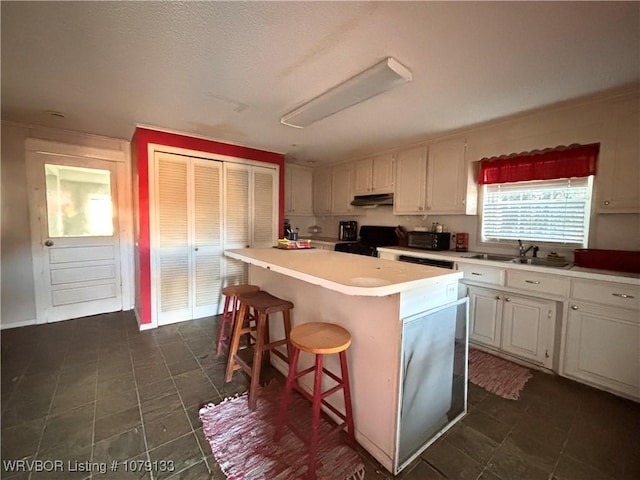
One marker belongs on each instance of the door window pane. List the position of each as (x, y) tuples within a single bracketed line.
[(78, 201)]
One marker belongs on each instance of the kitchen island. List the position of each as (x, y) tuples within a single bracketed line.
[(407, 360)]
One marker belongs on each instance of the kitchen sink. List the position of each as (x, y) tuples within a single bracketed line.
[(541, 262), (491, 256)]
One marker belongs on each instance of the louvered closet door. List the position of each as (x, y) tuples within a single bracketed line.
[(251, 205), (207, 236), (236, 219), (173, 264), (265, 207)]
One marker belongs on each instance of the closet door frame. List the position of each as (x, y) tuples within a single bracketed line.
[(152, 148)]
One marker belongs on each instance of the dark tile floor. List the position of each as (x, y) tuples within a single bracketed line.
[(98, 390)]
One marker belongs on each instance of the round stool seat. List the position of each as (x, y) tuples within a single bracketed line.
[(320, 338), (235, 290)]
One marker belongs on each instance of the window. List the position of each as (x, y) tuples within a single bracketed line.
[(554, 211)]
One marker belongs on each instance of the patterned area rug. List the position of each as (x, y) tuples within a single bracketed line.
[(242, 441), (496, 375)]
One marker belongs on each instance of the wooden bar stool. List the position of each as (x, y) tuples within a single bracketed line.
[(229, 315), (320, 339), (263, 304)]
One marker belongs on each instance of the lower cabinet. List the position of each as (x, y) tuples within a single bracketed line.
[(602, 347), (521, 326)]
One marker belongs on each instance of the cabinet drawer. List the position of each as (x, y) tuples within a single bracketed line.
[(607, 293), (538, 282), (481, 274)]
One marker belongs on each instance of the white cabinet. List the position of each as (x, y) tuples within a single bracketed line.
[(450, 188), (521, 326), (476, 273), (186, 237), (298, 190), (322, 191), (602, 337), (374, 175), (250, 214), (411, 181), (485, 319), (538, 283), (528, 327), (342, 189), (619, 163)]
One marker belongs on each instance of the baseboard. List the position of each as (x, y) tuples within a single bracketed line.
[(142, 326), (24, 323)]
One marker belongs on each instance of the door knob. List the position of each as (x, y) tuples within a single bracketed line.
[(48, 243)]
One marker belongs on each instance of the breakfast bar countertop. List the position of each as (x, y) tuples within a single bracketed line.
[(346, 273)]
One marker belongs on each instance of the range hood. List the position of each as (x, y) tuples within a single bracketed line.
[(372, 200)]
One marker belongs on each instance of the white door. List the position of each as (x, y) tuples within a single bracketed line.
[(250, 214), (187, 237), (75, 242), (236, 220)]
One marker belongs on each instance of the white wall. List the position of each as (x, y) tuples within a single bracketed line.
[(18, 297), (17, 286)]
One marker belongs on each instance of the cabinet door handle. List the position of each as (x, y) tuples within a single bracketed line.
[(499, 297), (507, 299), (535, 282), (574, 307), (476, 273), (607, 202), (622, 295)]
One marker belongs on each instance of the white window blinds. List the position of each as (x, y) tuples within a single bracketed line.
[(554, 211)]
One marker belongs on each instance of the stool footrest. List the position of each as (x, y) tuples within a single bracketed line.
[(309, 397)]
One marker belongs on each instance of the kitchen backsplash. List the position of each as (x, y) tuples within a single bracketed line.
[(616, 232)]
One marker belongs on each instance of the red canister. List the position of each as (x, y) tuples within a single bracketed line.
[(462, 242)]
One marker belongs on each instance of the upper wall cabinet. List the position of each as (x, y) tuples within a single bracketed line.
[(322, 191), (411, 181), (374, 175), (618, 177), (298, 190), (451, 187), (342, 189)]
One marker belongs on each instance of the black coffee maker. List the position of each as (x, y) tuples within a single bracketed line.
[(348, 231)]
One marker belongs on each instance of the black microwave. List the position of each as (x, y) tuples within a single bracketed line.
[(429, 240)]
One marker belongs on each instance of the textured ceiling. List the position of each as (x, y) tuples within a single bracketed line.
[(230, 70)]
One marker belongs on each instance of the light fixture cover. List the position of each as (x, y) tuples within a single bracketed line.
[(381, 77)]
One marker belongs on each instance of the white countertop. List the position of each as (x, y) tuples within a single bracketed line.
[(344, 272), (573, 271)]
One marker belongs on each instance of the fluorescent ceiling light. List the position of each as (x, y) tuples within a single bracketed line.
[(381, 77)]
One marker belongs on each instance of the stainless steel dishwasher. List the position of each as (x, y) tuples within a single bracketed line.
[(431, 262)]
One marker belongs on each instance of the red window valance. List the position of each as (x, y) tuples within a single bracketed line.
[(548, 164)]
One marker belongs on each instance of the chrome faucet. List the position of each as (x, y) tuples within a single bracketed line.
[(523, 250)]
